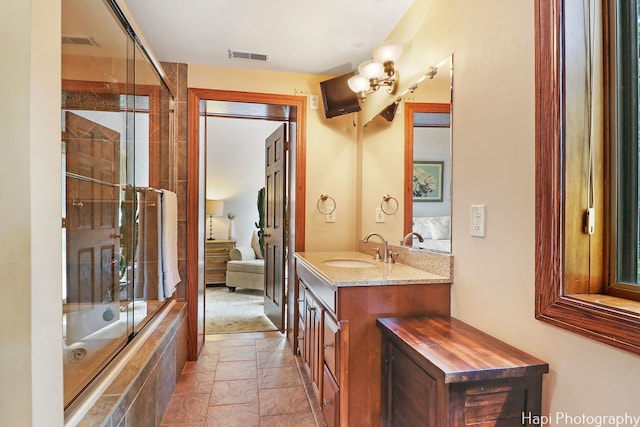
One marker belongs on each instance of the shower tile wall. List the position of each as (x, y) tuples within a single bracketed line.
[(177, 80)]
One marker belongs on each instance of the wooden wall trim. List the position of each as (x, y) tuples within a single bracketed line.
[(548, 203), (191, 291), (607, 324)]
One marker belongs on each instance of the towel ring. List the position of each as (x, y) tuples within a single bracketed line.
[(323, 198), (385, 199)]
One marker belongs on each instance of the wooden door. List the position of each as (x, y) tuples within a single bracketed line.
[(92, 205), (275, 226)]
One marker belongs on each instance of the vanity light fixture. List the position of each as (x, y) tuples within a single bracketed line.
[(378, 71), (433, 70)]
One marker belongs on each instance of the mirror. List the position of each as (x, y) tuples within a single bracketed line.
[(428, 175), (427, 172), (423, 122)]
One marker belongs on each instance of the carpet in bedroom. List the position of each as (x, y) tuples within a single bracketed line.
[(232, 312)]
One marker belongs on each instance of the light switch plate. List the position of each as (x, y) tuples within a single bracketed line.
[(331, 217), (313, 102), (379, 215)]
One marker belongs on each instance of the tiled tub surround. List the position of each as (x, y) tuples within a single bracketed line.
[(140, 392)]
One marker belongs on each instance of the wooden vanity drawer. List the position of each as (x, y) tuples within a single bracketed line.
[(330, 399), (325, 292), (330, 345)]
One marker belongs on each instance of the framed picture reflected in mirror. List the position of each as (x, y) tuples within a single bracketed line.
[(427, 181)]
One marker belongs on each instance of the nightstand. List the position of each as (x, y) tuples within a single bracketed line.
[(216, 258)]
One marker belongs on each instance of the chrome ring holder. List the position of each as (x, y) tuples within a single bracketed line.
[(385, 200), (323, 198)]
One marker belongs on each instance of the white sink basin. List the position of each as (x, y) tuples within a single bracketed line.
[(349, 263)]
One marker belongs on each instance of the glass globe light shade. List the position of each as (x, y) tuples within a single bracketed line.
[(387, 51), (370, 69), (358, 83)]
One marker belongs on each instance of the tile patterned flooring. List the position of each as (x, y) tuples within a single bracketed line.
[(247, 379)]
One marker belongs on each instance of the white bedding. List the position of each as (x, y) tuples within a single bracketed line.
[(436, 232)]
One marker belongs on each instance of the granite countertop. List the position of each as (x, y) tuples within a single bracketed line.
[(380, 273)]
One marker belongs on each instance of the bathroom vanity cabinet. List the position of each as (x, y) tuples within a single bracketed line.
[(440, 372), (337, 337)]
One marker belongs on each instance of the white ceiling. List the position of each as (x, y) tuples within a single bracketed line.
[(306, 36)]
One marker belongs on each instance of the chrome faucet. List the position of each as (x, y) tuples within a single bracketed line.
[(403, 242), (385, 252)]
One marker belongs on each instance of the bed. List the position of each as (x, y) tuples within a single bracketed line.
[(436, 232)]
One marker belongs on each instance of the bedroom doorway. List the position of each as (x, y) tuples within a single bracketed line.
[(251, 104), (234, 136)]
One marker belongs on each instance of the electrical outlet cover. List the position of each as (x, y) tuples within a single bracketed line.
[(478, 220)]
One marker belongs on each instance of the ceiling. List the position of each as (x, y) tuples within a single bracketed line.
[(319, 37)]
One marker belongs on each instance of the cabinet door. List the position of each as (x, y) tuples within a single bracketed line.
[(300, 346), (412, 399), (330, 344), (302, 291), (312, 340), (301, 338), (308, 331), (330, 399), (316, 349)]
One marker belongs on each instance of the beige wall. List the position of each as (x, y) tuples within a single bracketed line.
[(493, 164), (331, 148), (30, 254)]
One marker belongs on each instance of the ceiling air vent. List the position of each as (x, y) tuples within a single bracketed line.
[(237, 54), (79, 40)]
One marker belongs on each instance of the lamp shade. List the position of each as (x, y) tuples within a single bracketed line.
[(370, 69), (214, 207), (387, 51), (358, 83)]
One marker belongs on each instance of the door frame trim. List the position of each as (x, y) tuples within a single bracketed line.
[(296, 193)]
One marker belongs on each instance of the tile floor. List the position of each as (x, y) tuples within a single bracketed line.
[(248, 379)]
